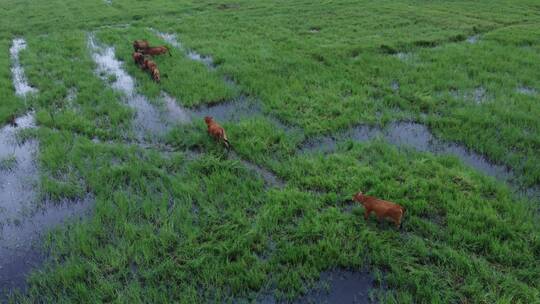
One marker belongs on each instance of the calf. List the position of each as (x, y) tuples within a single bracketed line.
[(140, 45), (216, 131), (381, 208), (158, 50)]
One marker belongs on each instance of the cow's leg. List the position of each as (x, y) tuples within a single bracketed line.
[(380, 220)]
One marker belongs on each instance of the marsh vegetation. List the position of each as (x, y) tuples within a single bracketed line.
[(118, 194)]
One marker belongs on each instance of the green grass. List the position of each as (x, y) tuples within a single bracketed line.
[(96, 110), (194, 225), (10, 105)]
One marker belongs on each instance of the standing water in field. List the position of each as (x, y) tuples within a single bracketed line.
[(147, 117), (473, 39), (341, 286), (417, 136), (270, 179), (18, 170), (22, 219), (232, 110), (171, 39), (22, 88), (527, 90), (175, 113), (335, 286)]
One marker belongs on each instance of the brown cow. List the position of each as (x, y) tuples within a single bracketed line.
[(152, 68), (381, 207), (216, 131), (140, 45), (138, 58), (155, 74), (158, 50), (149, 64)]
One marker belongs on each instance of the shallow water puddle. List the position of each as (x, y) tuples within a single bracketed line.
[(232, 110), (473, 39), (335, 286), (479, 95), (415, 135), (403, 56), (239, 107), (20, 82), (527, 90), (71, 94), (327, 144), (18, 177), (148, 120), (270, 179), (22, 220), (342, 286), (419, 137), (20, 249), (175, 113), (395, 86), (171, 39)]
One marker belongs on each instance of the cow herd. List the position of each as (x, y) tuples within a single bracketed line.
[(142, 55)]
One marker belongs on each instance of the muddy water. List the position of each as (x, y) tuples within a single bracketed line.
[(171, 39), (20, 82), (23, 220), (419, 137), (148, 120)]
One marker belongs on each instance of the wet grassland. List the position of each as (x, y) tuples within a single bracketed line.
[(433, 105)]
